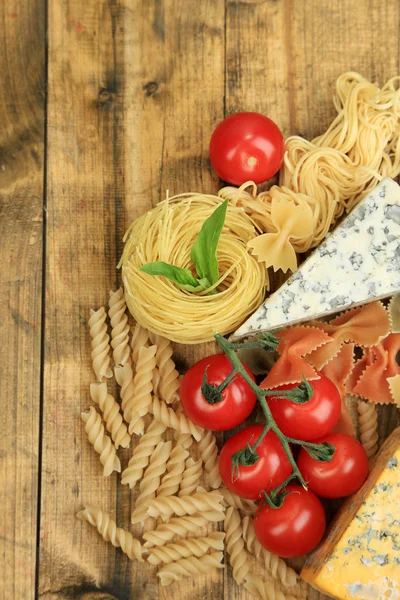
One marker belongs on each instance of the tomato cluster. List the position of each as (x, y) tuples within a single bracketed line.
[(252, 464)]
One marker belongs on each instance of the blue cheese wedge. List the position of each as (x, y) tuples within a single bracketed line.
[(360, 556), (359, 262)]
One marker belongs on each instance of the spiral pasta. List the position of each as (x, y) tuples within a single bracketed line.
[(235, 545), (141, 454), (167, 233), (209, 454), (166, 506), (186, 548), (100, 343), (368, 420), (276, 565), (231, 499), (101, 442), (178, 421), (140, 338), (265, 589), (119, 327), (175, 468), (186, 567), (111, 414), (178, 526), (109, 531), (191, 476), (124, 378), (138, 404), (169, 377), (151, 480)]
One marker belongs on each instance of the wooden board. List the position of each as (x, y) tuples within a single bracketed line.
[(135, 88), (22, 100)]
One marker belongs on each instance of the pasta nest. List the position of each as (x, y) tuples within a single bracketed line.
[(167, 233)]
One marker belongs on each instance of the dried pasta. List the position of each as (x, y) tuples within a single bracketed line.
[(101, 442), (179, 526), (209, 455), (394, 314), (139, 339), (331, 174), (166, 506), (368, 420), (186, 548), (124, 378), (238, 557), (265, 589), (175, 469), (141, 454), (273, 563), (231, 499), (394, 387), (151, 480), (186, 567), (191, 476), (178, 421), (120, 327), (166, 233), (112, 417), (168, 385), (138, 404), (100, 343), (109, 531)]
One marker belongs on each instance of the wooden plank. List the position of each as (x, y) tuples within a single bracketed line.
[(282, 59), (22, 99)]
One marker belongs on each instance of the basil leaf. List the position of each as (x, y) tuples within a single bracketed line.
[(204, 250), (180, 276)]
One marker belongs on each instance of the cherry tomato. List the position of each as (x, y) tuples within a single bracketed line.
[(343, 475), (270, 470), (246, 145), (312, 419), (237, 400), (293, 529)]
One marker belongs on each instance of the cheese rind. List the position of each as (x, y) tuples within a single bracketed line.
[(359, 262), (360, 558)]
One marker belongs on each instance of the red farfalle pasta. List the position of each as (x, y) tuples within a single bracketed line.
[(364, 325), (338, 370), (373, 383), (295, 343)]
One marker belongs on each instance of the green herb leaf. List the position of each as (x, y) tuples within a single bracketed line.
[(182, 277), (204, 250)]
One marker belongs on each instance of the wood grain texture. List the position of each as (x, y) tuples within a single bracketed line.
[(22, 100)]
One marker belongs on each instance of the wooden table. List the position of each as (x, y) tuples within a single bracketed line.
[(106, 104)]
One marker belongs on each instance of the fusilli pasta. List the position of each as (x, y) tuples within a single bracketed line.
[(101, 442), (185, 567), (119, 327), (100, 343), (151, 480), (177, 526), (140, 338), (124, 377), (175, 467), (141, 454), (276, 565), (191, 476), (231, 499), (235, 545), (169, 376), (185, 548), (108, 529), (209, 454), (368, 420), (265, 589), (111, 414), (138, 404), (166, 506), (178, 421)]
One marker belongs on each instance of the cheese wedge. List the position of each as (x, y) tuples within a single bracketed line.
[(359, 262), (360, 558)]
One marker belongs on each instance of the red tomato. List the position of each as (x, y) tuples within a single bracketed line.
[(237, 400), (343, 475), (246, 145), (312, 419), (270, 470), (293, 529)]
